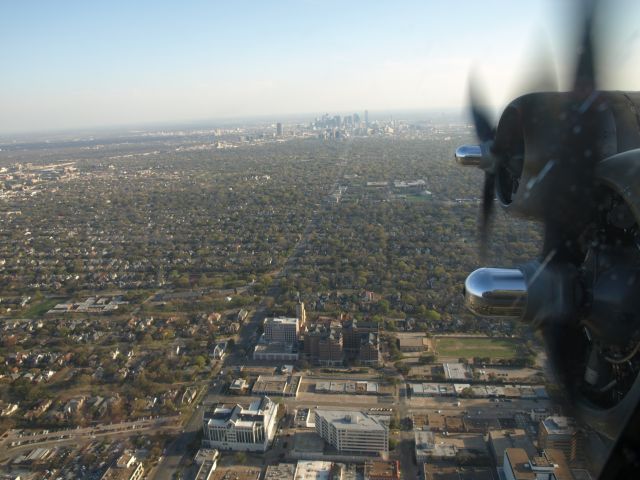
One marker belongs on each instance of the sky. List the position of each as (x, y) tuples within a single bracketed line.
[(79, 64)]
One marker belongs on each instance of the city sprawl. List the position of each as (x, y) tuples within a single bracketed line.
[(264, 300)]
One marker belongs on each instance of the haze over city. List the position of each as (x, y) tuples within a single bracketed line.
[(76, 64)]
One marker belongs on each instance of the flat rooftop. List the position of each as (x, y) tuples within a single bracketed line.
[(456, 371), (351, 420), (277, 384), (275, 347), (426, 445), (282, 471), (313, 470), (282, 320), (380, 468), (557, 425)]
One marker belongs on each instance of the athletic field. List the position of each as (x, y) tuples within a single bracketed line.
[(467, 347)]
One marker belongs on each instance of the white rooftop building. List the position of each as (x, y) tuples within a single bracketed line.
[(352, 431), (313, 470), (238, 428), (456, 371)]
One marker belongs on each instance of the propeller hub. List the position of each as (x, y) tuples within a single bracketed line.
[(469, 155), (496, 292)]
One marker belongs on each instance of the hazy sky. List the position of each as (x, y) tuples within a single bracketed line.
[(67, 64)]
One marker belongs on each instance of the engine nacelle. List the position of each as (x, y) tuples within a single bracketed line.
[(534, 144)]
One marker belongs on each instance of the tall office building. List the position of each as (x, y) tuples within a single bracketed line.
[(323, 344), (559, 433), (279, 129), (281, 329), (349, 431), (366, 117)]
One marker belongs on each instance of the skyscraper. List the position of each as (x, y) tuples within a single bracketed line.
[(366, 117), (279, 129)]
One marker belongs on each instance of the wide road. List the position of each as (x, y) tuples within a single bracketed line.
[(177, 449), (84, 435)]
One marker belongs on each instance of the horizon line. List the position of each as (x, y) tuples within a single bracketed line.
[(277, 117)]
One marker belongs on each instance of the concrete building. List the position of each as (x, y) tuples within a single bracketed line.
[(500, 440), (207, 461), (551, 465), (434, 471), (127, 467), (282, 471), (428, 449), (304, 418), (352, 431), (557, 432), (238, 428), (412, 343), (314, 470), (239, 386), (276, 352), (281, 329), (456, 371), (277, 385), (381, 470), (538, 414)]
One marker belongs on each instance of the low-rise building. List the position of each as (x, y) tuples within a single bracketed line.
[(127, 467), (304, 418), (282, 471), (456, 371), (382, 470), (237, 474), (206, 455), (538, 414), (500, 440), (238, 428), (412, 343), (551, 465), (435, 471), (238, 386), (207, 461), (428, 449), (276, 351), (314, 470), (277, 385)]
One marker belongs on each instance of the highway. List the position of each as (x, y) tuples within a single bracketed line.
[(14, 442)]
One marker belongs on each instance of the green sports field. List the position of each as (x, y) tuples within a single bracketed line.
[(467, 347)]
